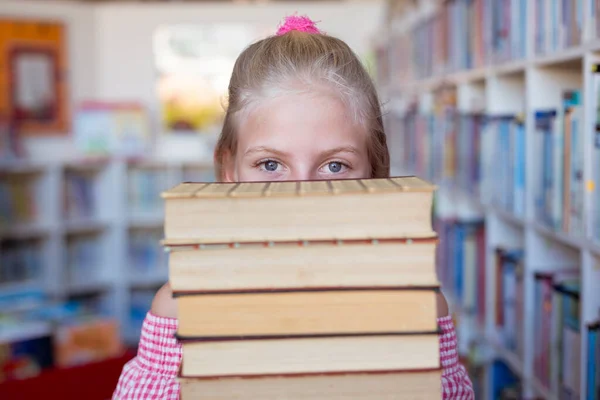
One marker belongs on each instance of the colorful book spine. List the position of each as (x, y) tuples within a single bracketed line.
[(568, 294), (549, 326), (79, 201), (461, 263), (593, 362), (505, 383), (17, 201), (424, 144), (459, 34), (20, 261), (509, 297), (560, 188), (503, 164), (468, 163), (596, 150), (558, 25)]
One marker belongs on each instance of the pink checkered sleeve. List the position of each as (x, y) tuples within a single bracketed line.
[(152, 373), (456, 384)]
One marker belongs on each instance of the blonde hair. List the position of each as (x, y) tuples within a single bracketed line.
[(299, 61)]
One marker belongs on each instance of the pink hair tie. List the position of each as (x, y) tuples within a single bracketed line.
[(296, 23)]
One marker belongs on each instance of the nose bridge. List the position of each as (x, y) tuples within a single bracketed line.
[(302, 172)]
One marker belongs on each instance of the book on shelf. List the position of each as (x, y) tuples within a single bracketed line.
[(503, 163), (461, 263), (284, 299), (17, 200), (79, 200), (556, 328), (567, 296), (25, 358), (468, 156), (560, 188), (40, 334), (593, 362), (558, 25), (86, 340), (509, 298), (596, 146), (505, 384), (464, 35), (21, 260)]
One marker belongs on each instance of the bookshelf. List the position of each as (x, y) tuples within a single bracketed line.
[(86, 231), (497, 102)]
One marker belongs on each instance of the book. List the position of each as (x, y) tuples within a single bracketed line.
[(414, 385), (289, 265), (284, 289), (310, 355), (86, 341), (548, 324), (568, 296), (313, 313), (593, 360), (214, 212)]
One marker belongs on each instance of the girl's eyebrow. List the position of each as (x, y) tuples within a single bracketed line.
[(265, 149), (340, 149), (279, 153)]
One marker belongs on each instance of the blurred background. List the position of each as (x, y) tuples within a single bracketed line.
[(104, 104)]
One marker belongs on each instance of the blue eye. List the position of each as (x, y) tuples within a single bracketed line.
[(335, 167), (271, 165)]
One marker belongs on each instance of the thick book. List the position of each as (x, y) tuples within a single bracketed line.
[(313, 312), (313, 265), (406, 385), (310, 355), (398, 207)]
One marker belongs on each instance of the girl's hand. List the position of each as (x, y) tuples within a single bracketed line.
[(442, 306), (164, 305)]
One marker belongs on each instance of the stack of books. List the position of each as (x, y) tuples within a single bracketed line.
[(305, 290)]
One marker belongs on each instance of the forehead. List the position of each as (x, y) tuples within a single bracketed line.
[(313, 119)]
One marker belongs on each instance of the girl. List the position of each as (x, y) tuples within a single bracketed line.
[(301, 106)]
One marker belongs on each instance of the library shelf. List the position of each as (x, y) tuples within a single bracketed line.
[(85, 226), (91, 286), (508, 216), (10, 288), (103, 209), (542, 390), (494, 113), (577, 242), (21, 168), (24, 331), (24, 230)]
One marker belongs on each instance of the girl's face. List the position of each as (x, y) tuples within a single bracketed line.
[(299, 137)]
